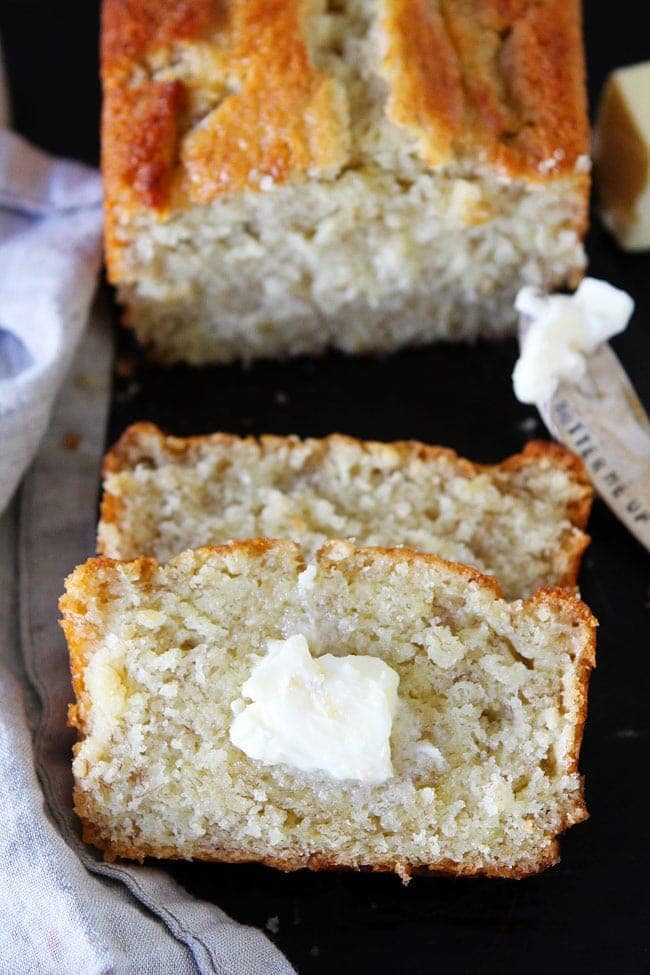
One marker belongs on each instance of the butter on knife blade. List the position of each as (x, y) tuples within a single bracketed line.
[(569, 371)]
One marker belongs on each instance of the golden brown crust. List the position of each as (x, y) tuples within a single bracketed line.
[(500, 83), (141, 441), (87, 579), (422, 69), (503, 79), (265, 110), (286, 119), (141, 139), (132, 28)]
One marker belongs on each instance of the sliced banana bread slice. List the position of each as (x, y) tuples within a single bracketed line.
[(428, 724), (520, 520)]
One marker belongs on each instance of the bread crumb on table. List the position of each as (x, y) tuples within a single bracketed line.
[(71, 440)]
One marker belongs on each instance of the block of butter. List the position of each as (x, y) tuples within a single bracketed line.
[(622, 156)]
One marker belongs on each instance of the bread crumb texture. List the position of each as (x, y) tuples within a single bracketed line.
[(283, 177), (521, 520), (484, 743)]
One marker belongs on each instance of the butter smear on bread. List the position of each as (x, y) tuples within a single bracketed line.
[(329, 713)]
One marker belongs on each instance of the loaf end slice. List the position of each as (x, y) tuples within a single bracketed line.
[(522, 520), (484, 744)]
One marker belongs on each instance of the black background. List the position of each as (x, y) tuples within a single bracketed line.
[(590, 913)]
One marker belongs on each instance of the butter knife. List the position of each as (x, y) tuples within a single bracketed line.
[(601, 419)]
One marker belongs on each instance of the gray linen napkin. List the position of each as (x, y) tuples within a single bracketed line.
[(62, 909)]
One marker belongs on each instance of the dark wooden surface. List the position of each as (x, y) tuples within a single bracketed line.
[(589, 914)]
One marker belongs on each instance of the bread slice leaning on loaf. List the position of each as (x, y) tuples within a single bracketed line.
[(521, 520), (484, 741), (285, 177)]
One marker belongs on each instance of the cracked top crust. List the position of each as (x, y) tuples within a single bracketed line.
[(205, 98)]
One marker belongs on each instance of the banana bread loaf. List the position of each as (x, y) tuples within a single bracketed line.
[(363, 174)]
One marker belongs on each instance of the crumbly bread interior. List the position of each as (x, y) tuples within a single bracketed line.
[(369, 262), (378, 253), (492, 698), (520, 521)]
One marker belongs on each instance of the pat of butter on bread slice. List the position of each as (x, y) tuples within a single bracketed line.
[(332, 714)]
